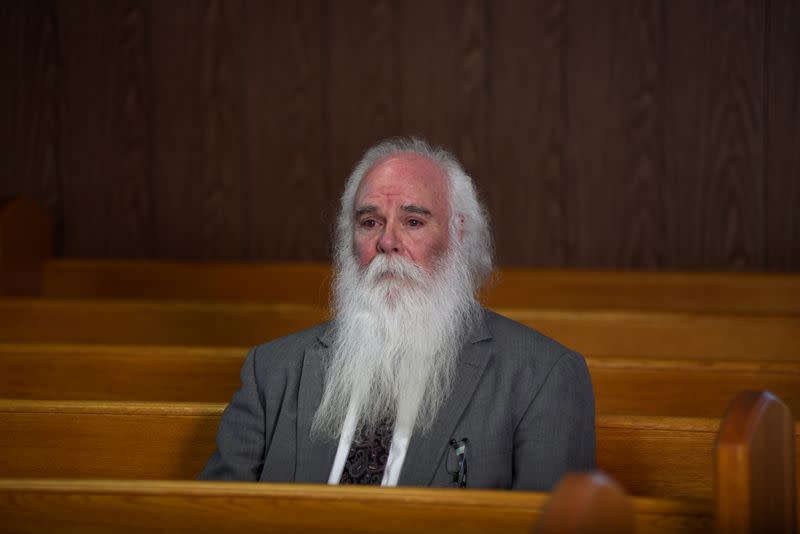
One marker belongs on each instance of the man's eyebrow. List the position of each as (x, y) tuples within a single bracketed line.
[(411, 208), (365, 209)]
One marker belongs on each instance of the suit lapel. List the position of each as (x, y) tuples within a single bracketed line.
[(314, 458), (425, 452)]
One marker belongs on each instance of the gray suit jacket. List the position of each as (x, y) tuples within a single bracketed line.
[(524, 402)]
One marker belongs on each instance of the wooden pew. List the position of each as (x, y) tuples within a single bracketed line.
[(643, 386), (163, 506), (649, 456), (755, 480), (600, 333), (28, 269), (309, 283), (286, 282), (686, 388)]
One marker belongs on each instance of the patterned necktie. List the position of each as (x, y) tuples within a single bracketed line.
[(366, 460)]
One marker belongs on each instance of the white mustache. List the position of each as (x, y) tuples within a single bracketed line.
[(384, 267)]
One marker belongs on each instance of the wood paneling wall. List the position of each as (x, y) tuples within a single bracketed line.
[(644, 134)]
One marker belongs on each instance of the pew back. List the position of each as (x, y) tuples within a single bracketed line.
[(309, 283), (600, 333), (644, 386), (165, 506), (649, 456)]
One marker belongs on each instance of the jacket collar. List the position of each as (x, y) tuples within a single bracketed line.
[(315, 458)]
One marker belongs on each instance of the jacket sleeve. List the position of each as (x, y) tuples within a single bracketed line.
[(240, 438), (556, 434)]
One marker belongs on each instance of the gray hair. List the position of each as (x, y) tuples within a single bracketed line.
[(467, 214)]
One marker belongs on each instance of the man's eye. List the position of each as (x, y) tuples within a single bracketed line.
[(368, 223), (414, 222)]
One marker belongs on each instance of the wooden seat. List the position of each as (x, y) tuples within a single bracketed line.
[(755, 482), (165, 506), (649, 456), (643, 386), (584, 503), (599, 333)]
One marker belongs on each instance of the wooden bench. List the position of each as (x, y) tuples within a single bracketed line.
[(755, 478), (641, 386), (599, 333), (309, 283), (136, 506), (28, 269), (649, 456)]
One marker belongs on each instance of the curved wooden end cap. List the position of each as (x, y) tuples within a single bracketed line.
[(587, 502), (755, 466)]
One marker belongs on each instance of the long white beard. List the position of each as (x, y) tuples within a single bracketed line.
[(398, 333)]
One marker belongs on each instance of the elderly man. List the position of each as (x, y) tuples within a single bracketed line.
[(412, 382)]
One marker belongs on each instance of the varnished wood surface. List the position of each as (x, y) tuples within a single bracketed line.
[(640, 134), (755, 486), (644, 386), (152, 322), (137, 506), (303, 283), (667, 335), (686, 388), (658, 291), (600, 333), (309, 283), (120, 373), (652, 456)]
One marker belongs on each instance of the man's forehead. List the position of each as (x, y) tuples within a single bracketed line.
[(410, 162), (404, 172)]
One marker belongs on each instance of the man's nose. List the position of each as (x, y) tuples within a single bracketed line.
[(388, 242)]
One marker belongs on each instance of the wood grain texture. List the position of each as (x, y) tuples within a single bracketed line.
[(29, 103), (106, 128), (443, 77), (643, 386), (782, 176), (199, 154), (715, 132), (527, 182), (650, 456), (755, 487), (642, 134), (208, 507), (603, 333), (615, 64), (291, 203), (309, 283), (362, 81)]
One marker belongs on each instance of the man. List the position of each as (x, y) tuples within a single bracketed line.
[(412, 382)]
